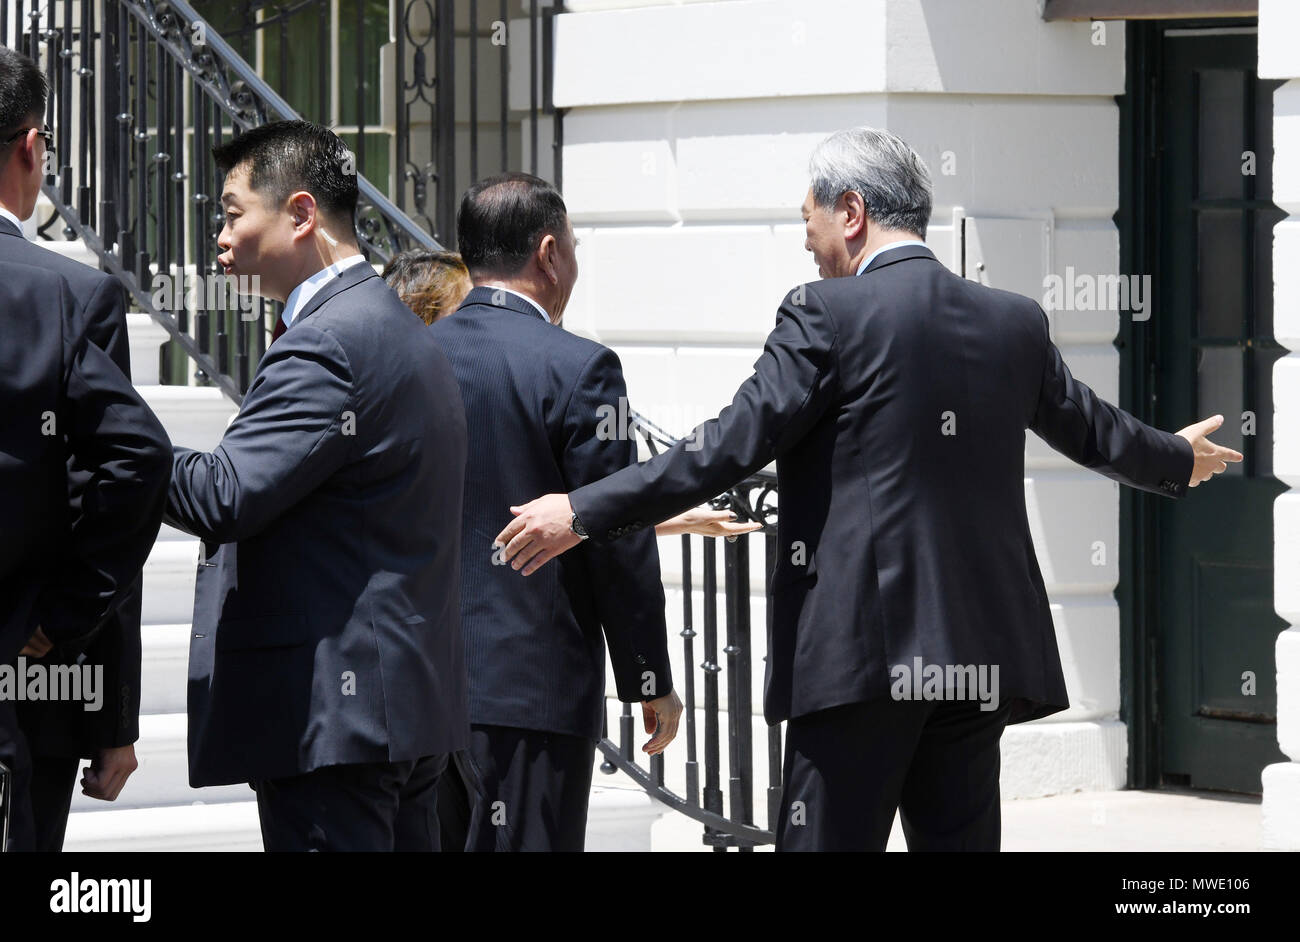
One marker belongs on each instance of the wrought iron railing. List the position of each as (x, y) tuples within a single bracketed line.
[(139, 92), (727, 815), (427, 141)]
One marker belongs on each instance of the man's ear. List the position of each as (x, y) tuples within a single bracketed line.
[(855, 221), (25, 150), (546, 252), (302, 209)]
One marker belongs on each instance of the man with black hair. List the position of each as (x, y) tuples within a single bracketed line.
[(60, 733), (326, 666), (536, 396)]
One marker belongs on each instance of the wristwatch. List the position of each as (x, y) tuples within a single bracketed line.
[(576, 526)]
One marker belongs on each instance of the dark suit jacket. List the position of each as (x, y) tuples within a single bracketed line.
[(913, 543), (68, 417), (64, 728), (327, 609), (536, 396)]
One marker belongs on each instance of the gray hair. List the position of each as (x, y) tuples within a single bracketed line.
[(889, 176)]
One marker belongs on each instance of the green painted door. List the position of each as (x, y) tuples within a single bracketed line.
[(1214, 333)]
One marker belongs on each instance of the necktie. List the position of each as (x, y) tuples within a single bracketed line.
[(279, 329)]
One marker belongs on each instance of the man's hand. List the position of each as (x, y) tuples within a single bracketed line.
[(661, 718), (540, 531), (1210, 458), (108, 772), (706, 523), (37, 645)]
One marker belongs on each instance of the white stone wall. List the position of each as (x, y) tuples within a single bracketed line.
[(1279, 58), (686, 145)]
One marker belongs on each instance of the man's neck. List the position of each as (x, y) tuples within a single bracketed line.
[(879, 240), (11, 207), (519, 286), (319, 261)]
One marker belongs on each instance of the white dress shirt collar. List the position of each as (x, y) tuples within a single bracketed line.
[(540, 310), (14, 219), (300, 295), (885, 248)]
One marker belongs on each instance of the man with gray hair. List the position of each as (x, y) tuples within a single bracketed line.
[(894, 396)]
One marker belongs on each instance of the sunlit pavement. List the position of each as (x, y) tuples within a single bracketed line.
[(1084, 821)]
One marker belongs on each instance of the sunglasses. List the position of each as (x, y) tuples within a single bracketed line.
[(44, 133)]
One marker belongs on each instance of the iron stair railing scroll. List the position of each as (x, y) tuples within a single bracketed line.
[(729, 822), (169, 87)]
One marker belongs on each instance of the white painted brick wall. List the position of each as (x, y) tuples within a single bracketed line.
[(1002, 48), (1279, 25), (717, 51), (778, 48)]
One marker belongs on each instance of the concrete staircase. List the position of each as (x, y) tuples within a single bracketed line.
[(157, 809)]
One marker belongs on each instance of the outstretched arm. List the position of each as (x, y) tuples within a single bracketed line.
[(1085, 428), (794, 382)]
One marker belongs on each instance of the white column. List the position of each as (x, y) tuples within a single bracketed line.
[(1279, 58)]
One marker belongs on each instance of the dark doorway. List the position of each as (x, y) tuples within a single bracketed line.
[(1200, 618)]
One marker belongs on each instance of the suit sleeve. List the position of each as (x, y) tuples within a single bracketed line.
[(117, 647), (294, 430), (121, 457), (793, 384), (629, 594), (105, 320), (1085, 428)]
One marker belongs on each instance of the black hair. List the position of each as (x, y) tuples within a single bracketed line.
[(283, 157), (23, 90), (502, 220)]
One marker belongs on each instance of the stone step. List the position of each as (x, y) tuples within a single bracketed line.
[(75, 250), (164, 672), (231, 826), (194, 416), (163, 776), (169, 533), (169, 573), (621, 818), (146, 338), (618, 819)]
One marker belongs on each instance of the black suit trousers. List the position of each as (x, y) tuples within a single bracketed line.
[(18, 782), (458, 791), (535, 789), (54, 778), (848, 769), (372, 806)]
